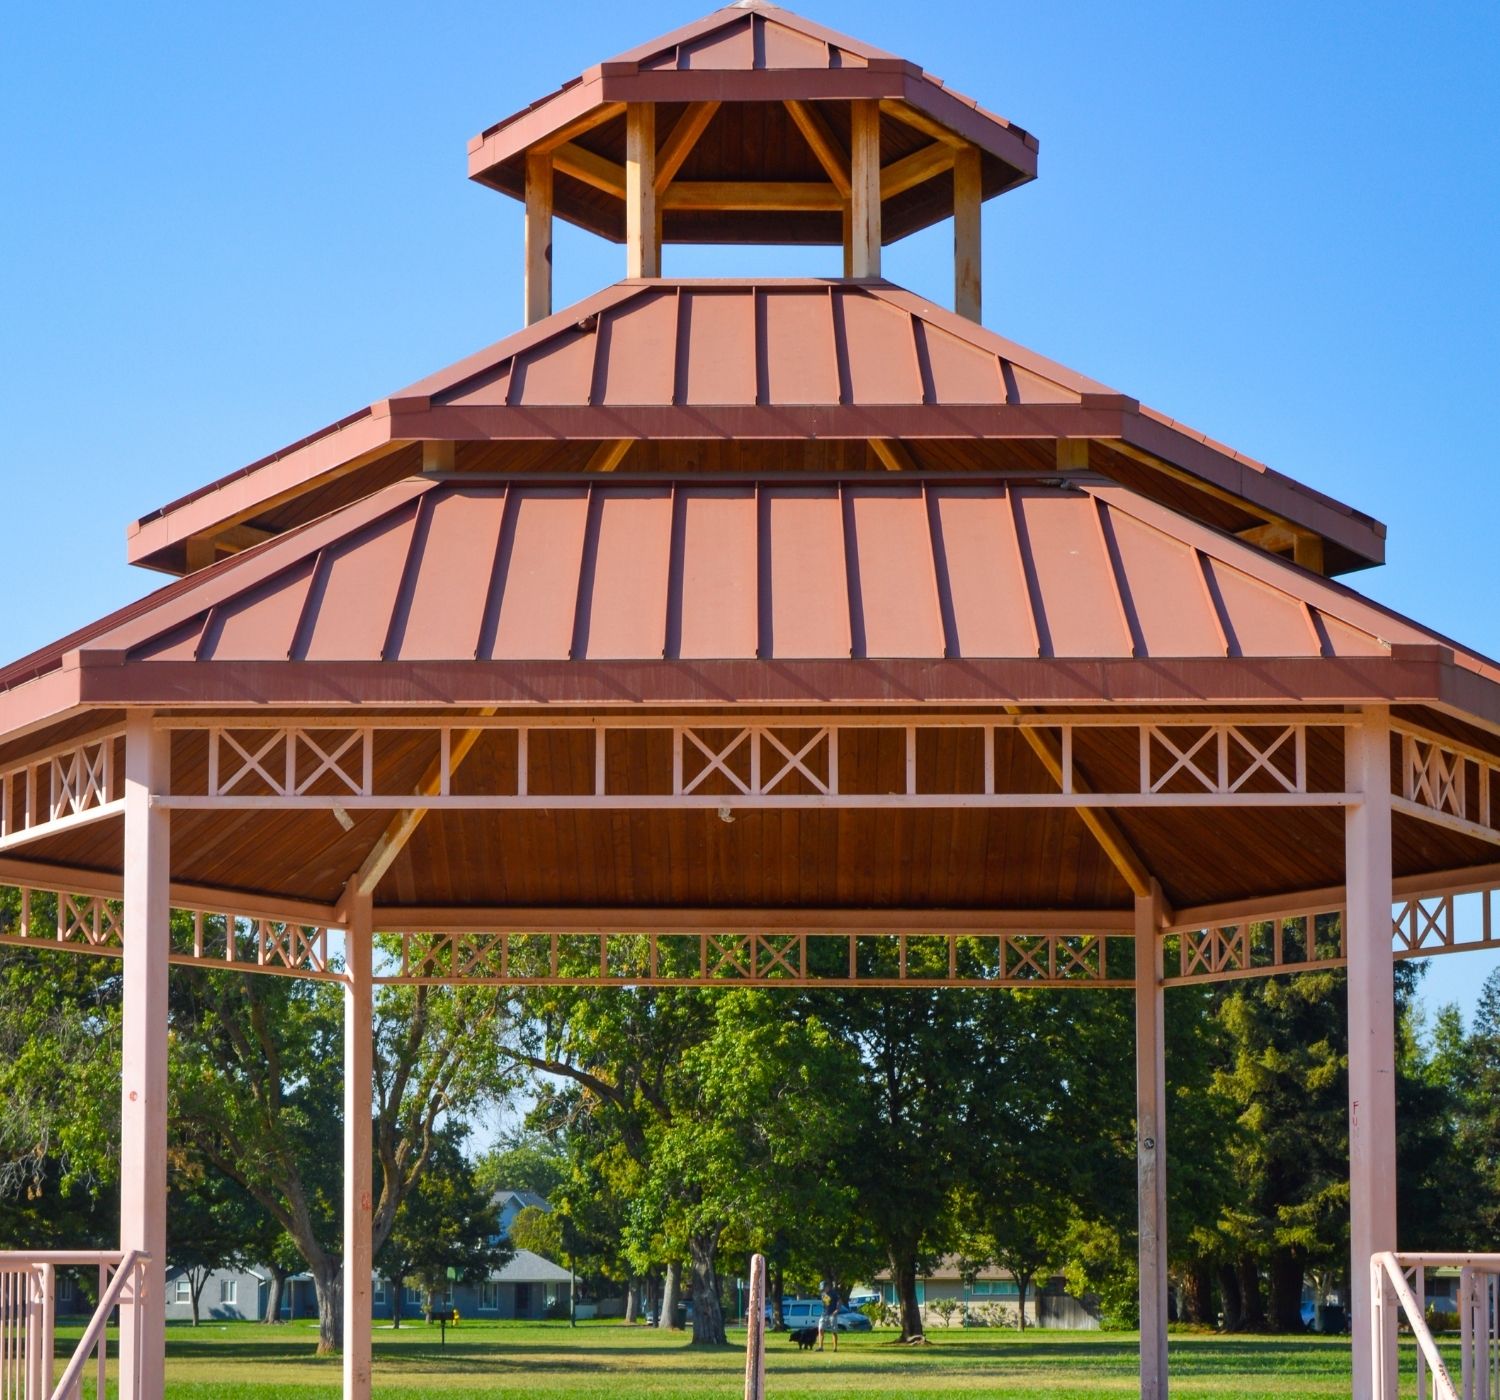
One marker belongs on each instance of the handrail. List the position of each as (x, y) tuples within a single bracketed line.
[(1388, 1265), (131, 1268)]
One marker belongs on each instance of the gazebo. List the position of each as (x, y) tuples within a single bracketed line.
[(716, 632)]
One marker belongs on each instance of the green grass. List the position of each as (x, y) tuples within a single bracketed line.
[(607, 1361)]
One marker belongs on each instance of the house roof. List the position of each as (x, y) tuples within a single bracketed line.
[(828, 365), (522, 1200), (750, 58), (526, 1267)]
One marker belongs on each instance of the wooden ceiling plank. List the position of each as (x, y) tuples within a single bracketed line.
[(920, 121)]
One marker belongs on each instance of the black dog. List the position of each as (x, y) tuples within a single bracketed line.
[(805, 1337)]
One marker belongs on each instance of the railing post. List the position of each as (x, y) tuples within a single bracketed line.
[(143, 1061), (755, 1331), (358, 1183), (1151, 1146), (39, 1331), (1372, 1038)]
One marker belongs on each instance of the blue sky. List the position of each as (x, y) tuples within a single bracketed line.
[(225, 226)]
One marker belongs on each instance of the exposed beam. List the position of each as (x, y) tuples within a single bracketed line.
[(968, 198), (608, 455), (403, 825), (920, 121), (642, 232), (1305, 547), (1106, 831), (587, 122), (915, 169), (595, 170), (680, 142), (825, 145), (786, 195), (538, 284), (438, 455), (894, 455), (864, 200), (1307, 550)]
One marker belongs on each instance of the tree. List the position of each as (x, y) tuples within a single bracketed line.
[(256, 1089), (444, 1228), (523, 1161), (211, 1223), (540, 1231)]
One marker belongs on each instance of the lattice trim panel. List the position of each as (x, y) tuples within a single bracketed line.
[(94, 923), (759, 959), (64, 786), (645, 761), (1446, 782)]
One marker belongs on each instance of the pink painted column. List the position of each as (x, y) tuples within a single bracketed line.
[(1372, 1029), (1151, 1146), (358, 1147), (143, 1072)]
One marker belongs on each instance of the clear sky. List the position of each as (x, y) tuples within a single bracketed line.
[(222, 227)]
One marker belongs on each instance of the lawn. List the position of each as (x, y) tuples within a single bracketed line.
[(607, 1361)]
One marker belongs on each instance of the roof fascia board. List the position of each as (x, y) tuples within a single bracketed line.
[(54, 696), (1263, 486), (1423, 678), (500, 143)]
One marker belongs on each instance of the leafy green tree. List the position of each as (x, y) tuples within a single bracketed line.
[(540, 1231), (523, 1161)]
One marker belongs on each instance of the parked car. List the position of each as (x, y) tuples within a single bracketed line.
[(806, 1312)]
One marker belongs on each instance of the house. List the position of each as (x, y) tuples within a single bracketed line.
[(526, 1286), (510, 1204), (228, 1295), (991, 1293)]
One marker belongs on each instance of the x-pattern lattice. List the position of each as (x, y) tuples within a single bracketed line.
[(1223, 758), (744, 759), (288, 762), (93, 922), (60, 787)]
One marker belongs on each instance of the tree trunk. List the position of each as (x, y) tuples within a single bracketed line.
[(1286, 1291), (904, 1272), (328, 1282), (1023, 1286), (1234, 1301), (1198, 1294), (273, 1296), (1253, 1303), (778, 1293), (708, 1311), (396, 1302), (671, 1284), (632, 1301), (196, 1279), (653, 1297)]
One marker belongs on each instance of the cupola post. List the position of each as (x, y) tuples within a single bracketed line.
[(538, 288), (642, 229), (968, 193), (864, 218)]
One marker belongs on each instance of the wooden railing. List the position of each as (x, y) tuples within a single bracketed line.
[(1399, 1289), (28, 1311)]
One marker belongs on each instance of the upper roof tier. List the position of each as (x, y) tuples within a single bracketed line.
[(709, 377), (753, 102)]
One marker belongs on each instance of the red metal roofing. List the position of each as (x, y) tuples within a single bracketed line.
[(800, 359), (632, 569)]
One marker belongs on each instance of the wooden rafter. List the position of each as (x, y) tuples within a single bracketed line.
[(587, 122), (824, 144), (608, 455), (594, 170), (894, 455), (919, 121), (915, 169), (680, 142)]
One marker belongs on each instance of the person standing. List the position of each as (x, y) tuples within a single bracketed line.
[(828, 1323)]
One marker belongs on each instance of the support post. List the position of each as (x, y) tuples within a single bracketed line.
[(864, 208), (1151, 1145), (143, 1058), (1372, 1033), (968, 196), (642, 232), (358, 1148), (538, 237)]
